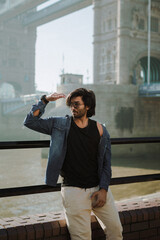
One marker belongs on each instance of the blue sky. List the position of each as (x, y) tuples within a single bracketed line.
[(65, 43)]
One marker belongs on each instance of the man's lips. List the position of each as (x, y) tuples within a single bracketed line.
[(74, 112)]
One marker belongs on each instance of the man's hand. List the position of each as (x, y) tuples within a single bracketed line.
[(51, 97), (54, 96), (98, 198)]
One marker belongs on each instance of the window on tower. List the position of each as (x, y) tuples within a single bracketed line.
[(141, 24), (154, 24)]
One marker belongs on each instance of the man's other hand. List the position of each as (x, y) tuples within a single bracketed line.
[(98, 198)]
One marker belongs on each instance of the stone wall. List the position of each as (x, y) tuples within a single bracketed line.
[(124, 113), (119, 107)]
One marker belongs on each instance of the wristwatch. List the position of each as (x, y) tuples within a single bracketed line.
[(43, 98)]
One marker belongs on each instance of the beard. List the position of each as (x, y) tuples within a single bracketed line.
[(79, 113)]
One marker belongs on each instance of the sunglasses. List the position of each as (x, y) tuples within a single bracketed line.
[(75, 104)]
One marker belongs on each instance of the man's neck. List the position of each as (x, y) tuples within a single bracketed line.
[(81, 122)]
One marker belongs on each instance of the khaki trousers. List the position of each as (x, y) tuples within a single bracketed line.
[(77, 206)]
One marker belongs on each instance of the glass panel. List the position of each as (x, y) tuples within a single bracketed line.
[(111, 47), (25, 167), (35, 59), (137, 160)]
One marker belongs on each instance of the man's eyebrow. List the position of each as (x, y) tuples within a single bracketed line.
[(75, 101)]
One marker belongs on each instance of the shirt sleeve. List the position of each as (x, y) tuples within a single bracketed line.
[(106, 172), (37, 123)]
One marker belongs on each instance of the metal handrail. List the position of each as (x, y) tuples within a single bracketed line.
[(45, 143), (17, 191)]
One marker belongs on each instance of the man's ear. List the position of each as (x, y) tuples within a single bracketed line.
[(87, 108)]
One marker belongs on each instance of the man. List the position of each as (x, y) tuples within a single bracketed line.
[(80, 151)]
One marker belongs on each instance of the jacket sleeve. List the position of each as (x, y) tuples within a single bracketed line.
[(37, 123), (106, 171)]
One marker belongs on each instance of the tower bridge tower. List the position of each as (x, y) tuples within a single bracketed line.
[(120, 41), (17, 53)]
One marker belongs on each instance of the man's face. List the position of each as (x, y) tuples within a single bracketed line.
[(78, 109)]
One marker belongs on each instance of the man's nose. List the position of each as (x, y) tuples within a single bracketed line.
[(72, 105)]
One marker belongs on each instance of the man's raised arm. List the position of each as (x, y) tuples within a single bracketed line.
[(49, 98), (34, 120)]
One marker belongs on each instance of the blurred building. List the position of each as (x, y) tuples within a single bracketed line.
[(17, 55), (126, 102), (121, 41), (68, 78)]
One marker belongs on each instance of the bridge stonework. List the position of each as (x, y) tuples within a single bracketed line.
[(124, 113), (140, 219), (121, 39), (17, 51)]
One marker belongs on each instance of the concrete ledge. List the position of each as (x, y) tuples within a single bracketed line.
[(140, 218)]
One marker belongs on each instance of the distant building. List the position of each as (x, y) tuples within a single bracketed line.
[(120, 41), (17, 55), (67, 78)]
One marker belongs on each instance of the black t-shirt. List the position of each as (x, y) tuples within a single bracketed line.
[(80, 168)]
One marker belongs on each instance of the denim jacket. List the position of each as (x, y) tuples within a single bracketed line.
[(58, 129)]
